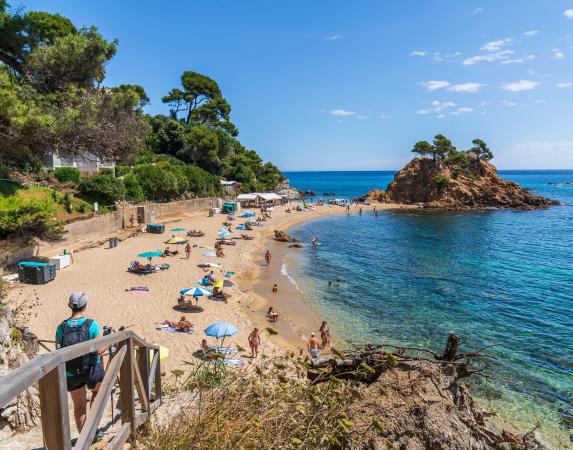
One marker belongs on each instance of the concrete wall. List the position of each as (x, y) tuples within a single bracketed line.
[(99, 227)]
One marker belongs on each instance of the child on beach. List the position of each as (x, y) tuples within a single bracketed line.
[(254, 342), (272, 314), (188, 250)]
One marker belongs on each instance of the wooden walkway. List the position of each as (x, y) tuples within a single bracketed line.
[(135, 367)]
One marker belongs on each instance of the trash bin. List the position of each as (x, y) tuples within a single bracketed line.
[(113, 242)]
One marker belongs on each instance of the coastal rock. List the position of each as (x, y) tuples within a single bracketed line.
[(281, 236), (435, 184), (422, 405)]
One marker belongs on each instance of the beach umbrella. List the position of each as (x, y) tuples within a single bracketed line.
[(241, 228), (177, 230), (248, 215), (195, 291), (153, 254), (221, 329), (224, 233), (223, 283)]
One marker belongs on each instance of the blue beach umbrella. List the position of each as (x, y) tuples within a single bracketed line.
[(241, 228), (177, 230), (195, 291), (221, 329), (248, 215), (153, 254)]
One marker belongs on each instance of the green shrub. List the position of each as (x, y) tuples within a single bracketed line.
[(106, 171), (133, 189), (68, 197), (30, 218), (442, 180), (121, 171), (67, 175), (104, 189)]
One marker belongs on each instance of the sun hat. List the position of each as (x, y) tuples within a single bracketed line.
[(78, 300), (312, 334)]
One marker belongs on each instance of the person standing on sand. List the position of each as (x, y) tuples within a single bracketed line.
[(268, 257), (313, 346), (275, 289), (188, 250), (254, 342), (324, 334), (86, 370)]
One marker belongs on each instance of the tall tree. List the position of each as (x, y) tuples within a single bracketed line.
[(481, 150), (424, 148), (200, 102), (442, 146)]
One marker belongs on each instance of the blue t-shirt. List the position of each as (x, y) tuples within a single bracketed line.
[(94, 331)]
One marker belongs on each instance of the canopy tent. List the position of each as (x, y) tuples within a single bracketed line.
[(257, 198)]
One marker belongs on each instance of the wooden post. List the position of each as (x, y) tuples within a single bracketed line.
[(126, 386), (451, 349), (54, 409), (157, 375), (143, 364)]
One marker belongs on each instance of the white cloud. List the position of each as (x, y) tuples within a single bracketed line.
[(539, 102), (342, 112), (568, 13), (465, 88), (530, 57), (462, 110), (489, 57), (521, 85), (531, 33), (513, 61), (437, 107), (564, 85), (333, 37), (434, 85), (496, 46), (536, 155), (558, 54), (508, 103), (419, 53), (477, 11), (385, 116)]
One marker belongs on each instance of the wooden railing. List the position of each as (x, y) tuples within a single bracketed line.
[(138, 371)]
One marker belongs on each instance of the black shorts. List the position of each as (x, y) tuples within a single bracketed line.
[(91, 379)]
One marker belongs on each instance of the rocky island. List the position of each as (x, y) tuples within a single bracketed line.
[(452, 179)]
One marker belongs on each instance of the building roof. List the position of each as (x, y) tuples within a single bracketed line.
[(266, 196)]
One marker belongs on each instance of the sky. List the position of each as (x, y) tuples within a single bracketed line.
[(341, 85)]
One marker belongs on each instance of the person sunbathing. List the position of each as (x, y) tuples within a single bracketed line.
[(220, 253), (168, 252), (183, 324)]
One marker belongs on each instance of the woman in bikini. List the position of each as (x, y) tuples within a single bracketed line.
[(324, 334)]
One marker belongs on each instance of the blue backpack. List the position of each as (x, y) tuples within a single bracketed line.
[(74, 335)]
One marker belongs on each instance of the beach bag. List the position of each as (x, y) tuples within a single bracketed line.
[(74, 335)]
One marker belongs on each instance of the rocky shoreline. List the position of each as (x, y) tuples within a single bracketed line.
[(437, 185)]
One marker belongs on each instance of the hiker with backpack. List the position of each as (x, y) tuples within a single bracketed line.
[(86, 370)]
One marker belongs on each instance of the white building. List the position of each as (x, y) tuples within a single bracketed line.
[(87, 166)]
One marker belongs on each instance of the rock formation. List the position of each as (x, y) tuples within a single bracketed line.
[(281, 236), (439, 184)]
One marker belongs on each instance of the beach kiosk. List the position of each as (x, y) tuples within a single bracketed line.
[(231, 207)]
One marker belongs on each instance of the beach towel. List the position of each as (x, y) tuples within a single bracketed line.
[(138, 292), (234, 361), (223, 350), (176, 330)]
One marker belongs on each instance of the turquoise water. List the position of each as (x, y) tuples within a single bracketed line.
[(502, 278)]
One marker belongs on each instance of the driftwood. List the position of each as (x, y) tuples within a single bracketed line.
[(366, 364)]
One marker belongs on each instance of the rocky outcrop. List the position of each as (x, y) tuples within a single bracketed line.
[(281, 236), (23, 412), (435, 184)]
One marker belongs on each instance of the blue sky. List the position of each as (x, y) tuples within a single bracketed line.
[(340, 85)]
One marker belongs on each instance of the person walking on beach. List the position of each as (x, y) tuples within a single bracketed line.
[(313, 346), (275, 289), (86, 370), (254, 342), (188, 250), (268, 257), (324, 334)]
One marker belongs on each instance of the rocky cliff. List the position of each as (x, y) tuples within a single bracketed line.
[(437, 184)]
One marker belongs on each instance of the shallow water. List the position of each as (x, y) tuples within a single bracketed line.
[(502, 278)]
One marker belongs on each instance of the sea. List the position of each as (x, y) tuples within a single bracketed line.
[(501, 279)]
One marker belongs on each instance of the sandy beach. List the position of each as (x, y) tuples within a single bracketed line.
[(102, 273)]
